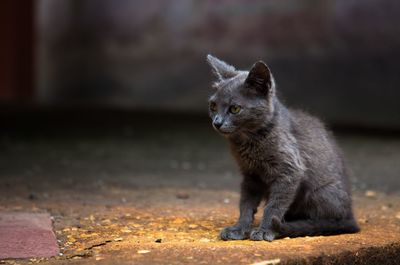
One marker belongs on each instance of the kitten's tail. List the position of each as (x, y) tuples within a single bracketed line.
[(314, 227)]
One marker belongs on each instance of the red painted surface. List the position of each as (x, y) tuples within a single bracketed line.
[(25, 235), (16, 50)]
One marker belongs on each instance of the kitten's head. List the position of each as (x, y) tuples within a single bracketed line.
[(243, 101)]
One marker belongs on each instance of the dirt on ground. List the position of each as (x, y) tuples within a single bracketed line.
[(181, 226)]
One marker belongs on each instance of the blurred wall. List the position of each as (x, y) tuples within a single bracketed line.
[(16, 50), (334, 58)]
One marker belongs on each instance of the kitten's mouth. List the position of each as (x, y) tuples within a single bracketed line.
[(223, 132)]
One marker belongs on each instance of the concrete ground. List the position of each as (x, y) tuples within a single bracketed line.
[(158, 188)]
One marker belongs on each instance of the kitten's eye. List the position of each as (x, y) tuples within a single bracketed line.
[(234, 109), (213, 106)]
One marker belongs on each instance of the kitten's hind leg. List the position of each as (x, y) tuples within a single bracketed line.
[(313, 227)]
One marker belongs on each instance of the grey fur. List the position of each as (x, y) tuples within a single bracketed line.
[(287, 158), (221, 69)]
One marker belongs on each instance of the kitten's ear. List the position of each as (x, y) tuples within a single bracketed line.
[(260, 78), (221, 69)]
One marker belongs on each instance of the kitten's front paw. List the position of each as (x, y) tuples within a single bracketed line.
[(234, 233), (259, 234)]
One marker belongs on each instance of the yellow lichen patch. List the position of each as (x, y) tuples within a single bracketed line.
[(178, 220), (86, 235)]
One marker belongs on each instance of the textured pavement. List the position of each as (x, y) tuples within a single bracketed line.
[(26, 235)]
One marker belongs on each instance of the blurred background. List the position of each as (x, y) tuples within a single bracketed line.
[(336, 58), (102, 91)]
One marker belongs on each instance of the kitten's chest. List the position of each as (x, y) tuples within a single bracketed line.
[(254, 157)]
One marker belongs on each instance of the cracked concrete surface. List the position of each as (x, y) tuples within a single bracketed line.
[(150, 189)]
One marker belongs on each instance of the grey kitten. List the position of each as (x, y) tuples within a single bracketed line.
[(287, 158)]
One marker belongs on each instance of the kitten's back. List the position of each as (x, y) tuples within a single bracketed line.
[(317, 146)]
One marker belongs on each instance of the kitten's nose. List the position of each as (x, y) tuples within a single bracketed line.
[(217, 122)]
